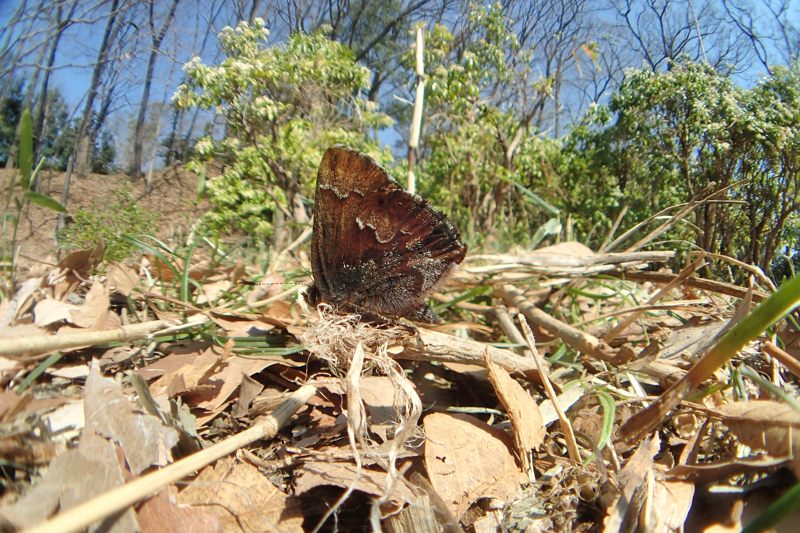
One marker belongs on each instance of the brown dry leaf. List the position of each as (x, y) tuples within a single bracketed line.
[(341, 474), (162, 513), (248, 391), (122, 279), (242, 499), (142, 437), (766, 425), (244, 325), (210, 292), (672, 501), (230, 376), (73, 269), (192, 372), (165, 365), (49, 311), (72, 478), (526, 419), (94, 314), (467, 459), (623, 511)]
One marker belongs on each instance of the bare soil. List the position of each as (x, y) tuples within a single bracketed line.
[(173, 200)]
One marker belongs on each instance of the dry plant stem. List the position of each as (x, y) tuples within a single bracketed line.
[(81, 516), (51, 343), (682, 275), (566, 427), (267, 301), (698, 283), (427, 345), (572, 337), (753, 269), (784, 358), (507, 325), (614, 228), (356, 427), (554, 262)]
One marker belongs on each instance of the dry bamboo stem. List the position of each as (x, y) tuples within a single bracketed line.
[(682, 275), (699, 283), (572, 337), (566, 426), (81, 516), (50, 343), (784, 358), (427, 345)]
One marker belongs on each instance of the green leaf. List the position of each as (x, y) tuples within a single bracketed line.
[(26, 149), (609, 407), (45, 201)]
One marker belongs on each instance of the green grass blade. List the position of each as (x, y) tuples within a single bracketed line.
[(609, 407), (45, 201), (38, 371), (777, 511)]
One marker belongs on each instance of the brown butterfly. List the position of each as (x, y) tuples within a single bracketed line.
[(376, 249)]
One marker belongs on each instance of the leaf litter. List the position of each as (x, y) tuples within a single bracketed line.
[(408, 429)]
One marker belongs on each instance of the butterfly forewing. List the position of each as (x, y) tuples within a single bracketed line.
[(376, 248)]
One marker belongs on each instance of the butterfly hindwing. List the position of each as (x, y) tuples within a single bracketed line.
[(375, 247)]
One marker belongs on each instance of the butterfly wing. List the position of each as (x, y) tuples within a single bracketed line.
[(375, 247)]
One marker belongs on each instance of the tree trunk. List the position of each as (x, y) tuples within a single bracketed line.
[(38, 128), (82, 139), (138, 136)]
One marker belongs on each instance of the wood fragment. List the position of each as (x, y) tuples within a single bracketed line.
[(572, 337)]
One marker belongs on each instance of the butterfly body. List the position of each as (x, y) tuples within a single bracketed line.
[(376, 249)]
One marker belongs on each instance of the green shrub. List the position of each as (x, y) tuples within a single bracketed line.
[(110, 219)]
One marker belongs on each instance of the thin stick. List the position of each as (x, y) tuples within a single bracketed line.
[(572, 336), (81, 516), (51, 343), (682, 275), (566, 427), (784, 358)]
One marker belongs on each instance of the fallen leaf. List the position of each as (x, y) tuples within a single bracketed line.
[(93, 314), (162, 513), (344, 474), (72, 478), (49, 311), (671, 503), (69, 372), (184, 373), (144, 440), (122, 279), (623, 511), (765, 425), (526, 419), (467, 459), (210, 292), (242, 499), (73, 269)]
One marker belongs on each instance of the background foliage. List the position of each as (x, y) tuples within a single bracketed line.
[(542, 121)]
